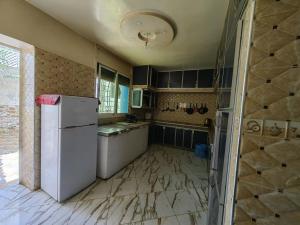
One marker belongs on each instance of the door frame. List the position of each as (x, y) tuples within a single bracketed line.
[(240, 95)]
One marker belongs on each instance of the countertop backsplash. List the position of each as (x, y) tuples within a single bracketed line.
[(179, 115)]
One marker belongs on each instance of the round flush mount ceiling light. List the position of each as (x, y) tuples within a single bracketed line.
[(147, 29)]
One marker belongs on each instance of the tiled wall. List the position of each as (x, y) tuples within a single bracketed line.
[(27, 150), (180, 116), (268, 188), (57, 75)]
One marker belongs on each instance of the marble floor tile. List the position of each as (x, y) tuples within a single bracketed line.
[(148, 185), (31, 199), (121, 187), (127, 172), (183, 201), (172, 220), (90, 212), (196, 218), (173, 182), (201, 198), (55, 213), (11, 193), (124, 210), (99, 189), (147, 170), (155, 205), (164, 186)]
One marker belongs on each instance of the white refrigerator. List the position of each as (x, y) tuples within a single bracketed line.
[(68, 146)]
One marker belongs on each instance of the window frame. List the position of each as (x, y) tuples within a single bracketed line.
[(116, 92)]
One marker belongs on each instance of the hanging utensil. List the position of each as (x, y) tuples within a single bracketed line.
[(173, 109), (168, 107), (190, 110), (162, 109), (200, 110), (205, 110)]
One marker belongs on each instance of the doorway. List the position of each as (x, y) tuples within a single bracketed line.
[(9, 115)]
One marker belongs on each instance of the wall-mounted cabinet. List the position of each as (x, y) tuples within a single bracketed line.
[(176, 79), (190, 79), (177, 136), (173, 81), (163, 79), (143, 98), (144, 76)]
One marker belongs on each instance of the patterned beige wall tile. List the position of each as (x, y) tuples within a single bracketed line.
[(57, 75), (188, 98), (270, 162)]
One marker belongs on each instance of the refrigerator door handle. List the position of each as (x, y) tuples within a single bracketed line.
[(71, 127)]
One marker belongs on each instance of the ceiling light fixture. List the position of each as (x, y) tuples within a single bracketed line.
[(148, 29)]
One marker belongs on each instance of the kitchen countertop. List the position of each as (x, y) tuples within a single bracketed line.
[(119, 127), (184, 125)]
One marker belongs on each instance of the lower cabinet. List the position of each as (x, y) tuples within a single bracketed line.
[(200, 137), (177, 136), (156, 134), (187, 138), (169, 136)]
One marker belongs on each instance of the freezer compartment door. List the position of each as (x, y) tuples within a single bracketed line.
[(77, 111), (78, 160)]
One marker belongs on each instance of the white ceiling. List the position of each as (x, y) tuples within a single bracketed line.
[(199, 25)]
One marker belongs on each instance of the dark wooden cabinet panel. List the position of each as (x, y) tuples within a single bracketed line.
[(158, 134), (140, 75), (189, 79), (187, 137), (162, 79), (200, 137), (151, 134), (179, 138), (175, 79), (169, 138), (153, 77), (205, 78)]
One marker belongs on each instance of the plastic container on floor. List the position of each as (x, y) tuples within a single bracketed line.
[(201, 151)]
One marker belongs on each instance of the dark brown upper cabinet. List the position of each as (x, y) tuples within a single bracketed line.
[(163, 79), (189, 79), (153, 77), (144, 76), (140, 75), (205, 78), (176, 79)]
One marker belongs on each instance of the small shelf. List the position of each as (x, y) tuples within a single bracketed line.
[(186, 90)]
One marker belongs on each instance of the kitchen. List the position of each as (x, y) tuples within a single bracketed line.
[(137, 112)]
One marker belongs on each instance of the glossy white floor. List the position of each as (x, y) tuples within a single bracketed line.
[(164, 186)]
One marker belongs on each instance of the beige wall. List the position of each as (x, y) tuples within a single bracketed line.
[(113, 61), (64, 63), (20, 20)]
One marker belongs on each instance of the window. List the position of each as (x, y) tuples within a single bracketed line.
[(113, 91), (123, 94)]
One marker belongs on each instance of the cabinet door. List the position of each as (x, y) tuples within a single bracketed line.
[(169, 138), (200, 137), (187, 138), (158, 134), (175, 79), (163, 79), (179, 137), (140, 75), (189, 79), (205, 78), (151, 136), (153, 77)]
